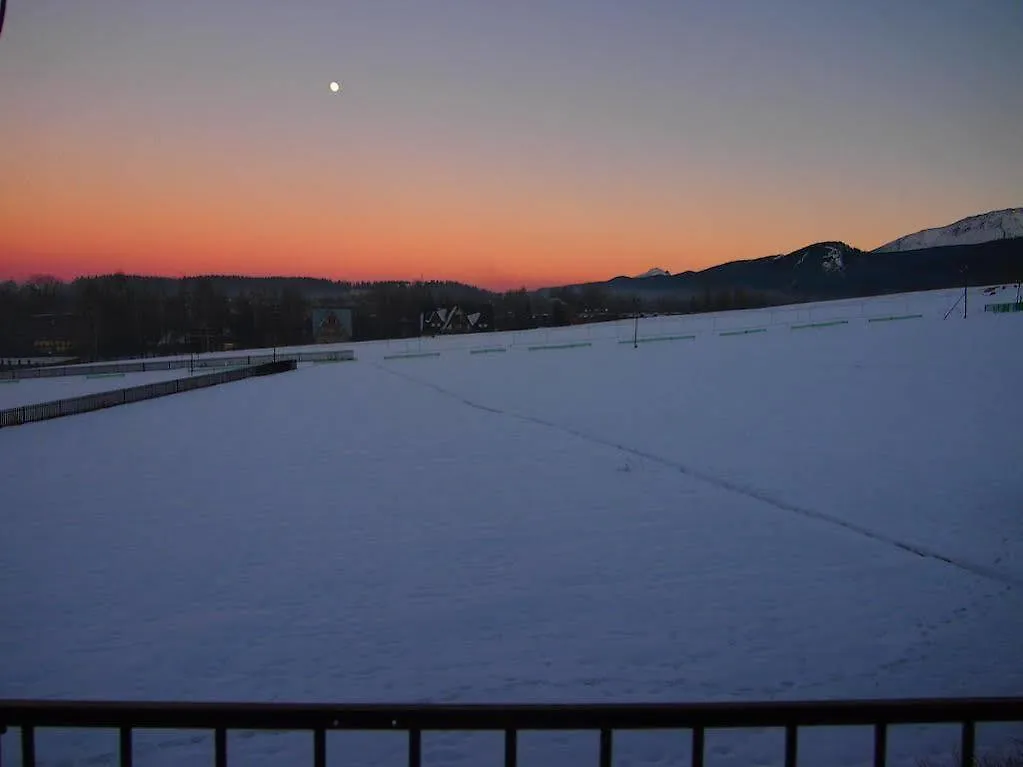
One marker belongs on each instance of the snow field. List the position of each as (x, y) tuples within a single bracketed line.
[(813, 514)]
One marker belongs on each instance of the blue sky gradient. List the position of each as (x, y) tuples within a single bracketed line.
[(504, 142)]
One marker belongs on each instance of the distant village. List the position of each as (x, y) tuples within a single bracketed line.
[(118, 316)]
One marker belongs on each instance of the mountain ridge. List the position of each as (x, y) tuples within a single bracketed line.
[(1003, 224), (984, 249)]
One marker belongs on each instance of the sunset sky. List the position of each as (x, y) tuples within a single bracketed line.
[(502, 143)]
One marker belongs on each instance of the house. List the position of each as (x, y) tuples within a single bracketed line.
[(52, 334), (455, 319), (331, 325)]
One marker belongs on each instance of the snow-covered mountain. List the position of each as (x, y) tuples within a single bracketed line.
[(990, 245), (655, 272), (996, 225), (828, 256)]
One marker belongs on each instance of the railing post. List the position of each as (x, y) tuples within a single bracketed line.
[(220, 747), (791, 745), (320, 748), (28, 747), (415, 748), (880, 744), (511, 748), (968, 743), (606, 747), (125, 747), (696, 758)]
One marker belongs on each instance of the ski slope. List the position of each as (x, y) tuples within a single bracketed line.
[(827, 512)]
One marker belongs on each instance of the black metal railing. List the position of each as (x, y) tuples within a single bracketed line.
[(202, 362), (605, 719), (43, 411)]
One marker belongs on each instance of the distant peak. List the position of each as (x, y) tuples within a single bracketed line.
[(655, 272), (829, 255)]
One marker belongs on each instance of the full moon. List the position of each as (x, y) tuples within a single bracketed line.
[(335, 87)]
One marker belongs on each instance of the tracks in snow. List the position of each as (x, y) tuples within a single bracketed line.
[(979, 571)]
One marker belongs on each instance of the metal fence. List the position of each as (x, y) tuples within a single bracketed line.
[(602, 719), (1012, 306), (178, 363), (43, 411)]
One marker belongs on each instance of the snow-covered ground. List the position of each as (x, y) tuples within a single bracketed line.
[(932, 304), (827, 512), (929, 304), (29, 391)]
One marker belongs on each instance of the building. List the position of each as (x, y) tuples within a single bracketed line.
[(331, 325), (455, 319)]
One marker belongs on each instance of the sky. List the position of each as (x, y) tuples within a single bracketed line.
[(502, 144)]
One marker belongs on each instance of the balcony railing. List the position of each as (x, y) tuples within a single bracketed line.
[(603, 719)]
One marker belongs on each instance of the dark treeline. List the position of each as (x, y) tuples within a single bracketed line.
[(593, 298), (126, 316)]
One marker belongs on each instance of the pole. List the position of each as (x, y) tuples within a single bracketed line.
[(635, 332), (966, 284)]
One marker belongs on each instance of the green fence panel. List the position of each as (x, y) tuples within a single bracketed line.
[(545, 347), (1013, 306), (746, 332), (655, 339), (411, 355), (895, 318), (829, 324)]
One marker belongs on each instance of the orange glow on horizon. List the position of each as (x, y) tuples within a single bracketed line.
[(196, 204), (96, 222), (194, 211), (167, 140)]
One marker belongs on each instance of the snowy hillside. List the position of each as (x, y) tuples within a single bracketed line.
[(808, 502), (996, 225)]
